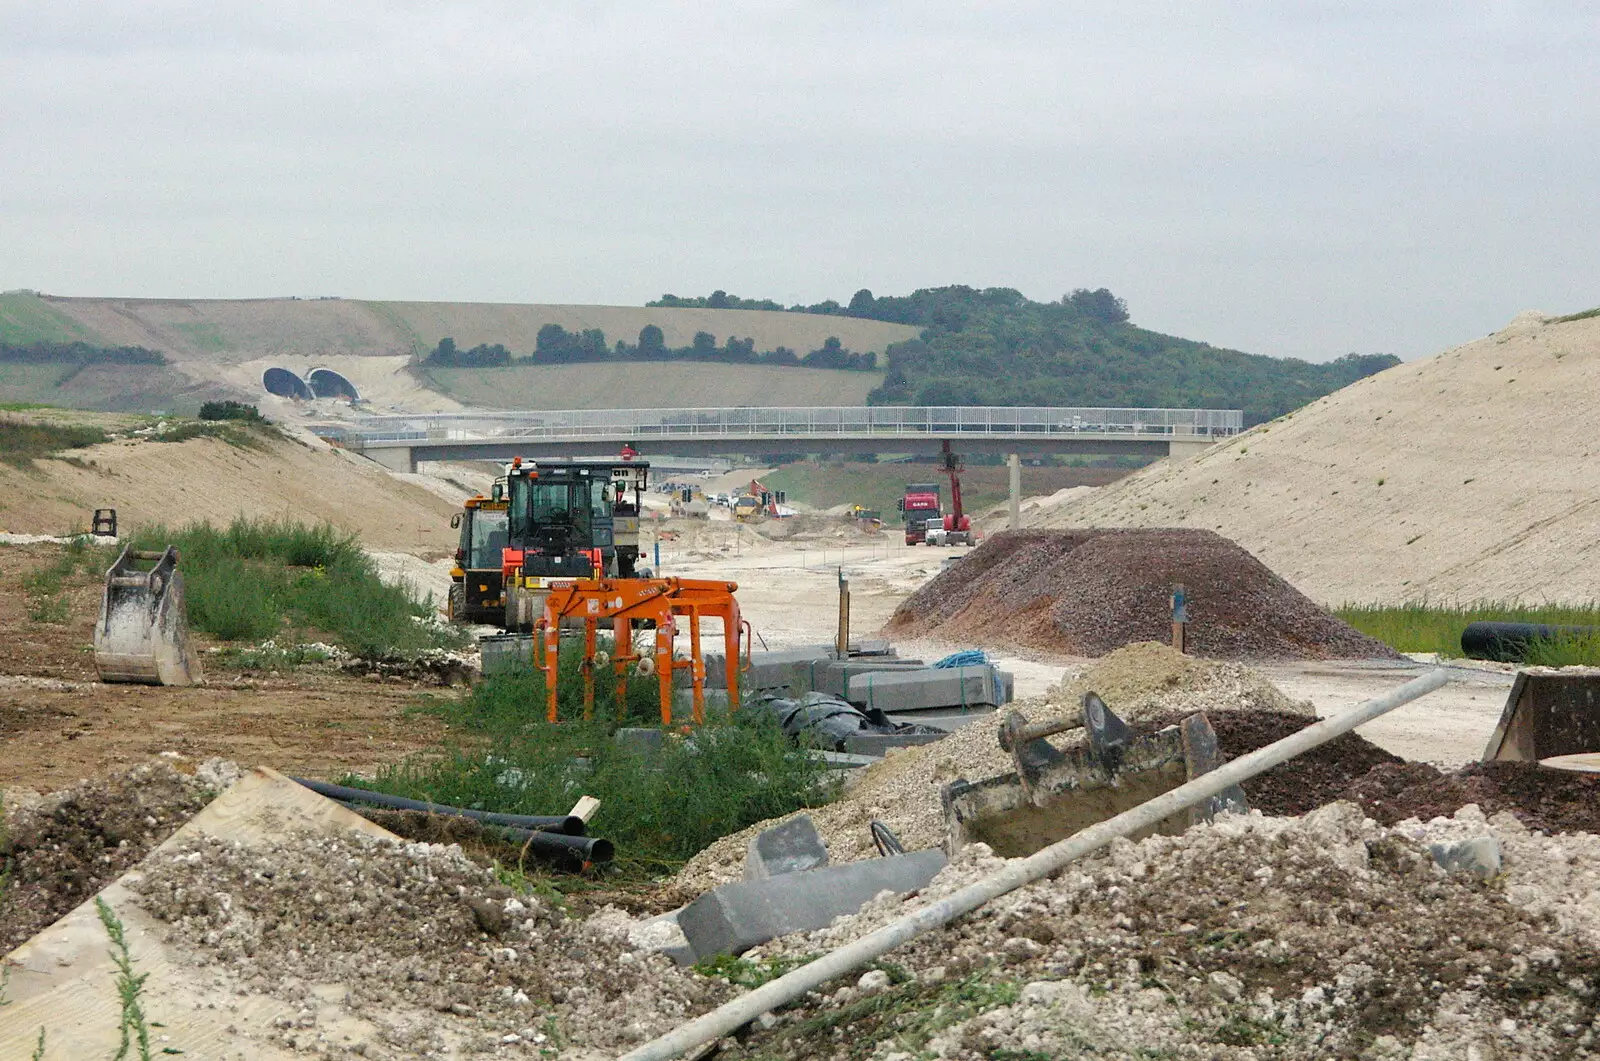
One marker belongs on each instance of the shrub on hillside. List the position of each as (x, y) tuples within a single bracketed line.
[(230, 410)]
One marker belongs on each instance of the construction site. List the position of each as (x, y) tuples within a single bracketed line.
[(622, 753)]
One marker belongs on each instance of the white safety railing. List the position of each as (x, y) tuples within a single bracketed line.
[(867, 422)]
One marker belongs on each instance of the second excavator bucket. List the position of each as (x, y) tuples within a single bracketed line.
[(143, 632), (1549, 714), (1057, 792)]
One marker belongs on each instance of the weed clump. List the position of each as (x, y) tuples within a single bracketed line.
[(1423, 626), (258, 579)]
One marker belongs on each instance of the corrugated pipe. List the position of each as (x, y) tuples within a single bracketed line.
[(569, 824), (1509, 642), (790, 986)]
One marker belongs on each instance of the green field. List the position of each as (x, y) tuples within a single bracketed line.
[(108, 388), (1432, 628), (27, 318), (648, 385), (879, 486)]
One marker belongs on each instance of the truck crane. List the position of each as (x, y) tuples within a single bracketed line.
[(955, 528)]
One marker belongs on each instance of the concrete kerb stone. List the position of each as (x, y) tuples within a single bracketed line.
[(788, 847), (880, 744), (735, 917), (928, 688)]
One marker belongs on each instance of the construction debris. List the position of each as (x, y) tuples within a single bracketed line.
[(143, 632), (1089, 592)]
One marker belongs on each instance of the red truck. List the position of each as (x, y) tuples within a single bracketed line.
[(918, 507)]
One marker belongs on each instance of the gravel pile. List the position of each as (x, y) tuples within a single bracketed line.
[(415, 943), (1145, 683), (1088, 592), (60, 849), (1314, 937)]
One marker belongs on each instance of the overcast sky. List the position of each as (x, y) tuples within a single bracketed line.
[(1289, 178)]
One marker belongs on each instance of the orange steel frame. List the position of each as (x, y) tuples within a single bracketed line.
[(626, 601)]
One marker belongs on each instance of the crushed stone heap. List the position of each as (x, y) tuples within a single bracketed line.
[(429, 950), (1315, 937), (1089, 592)]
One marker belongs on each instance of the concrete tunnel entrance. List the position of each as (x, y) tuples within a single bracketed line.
[(326, 383), (285, 384)]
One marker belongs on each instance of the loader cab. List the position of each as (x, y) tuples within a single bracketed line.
[(476, 581), (575, 518)]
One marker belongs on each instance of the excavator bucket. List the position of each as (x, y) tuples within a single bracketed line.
[(143, 632), (1548, 715), (1054, 792)]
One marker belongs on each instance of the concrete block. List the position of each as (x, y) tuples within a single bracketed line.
[(790, 847), (879, 744), (683, 702), (1479, 856), (928, 688), (644, 740), (506, 652), (833, 676), (807, 670), (735, 917)]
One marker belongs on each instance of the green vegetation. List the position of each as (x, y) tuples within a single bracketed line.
[(1583, 316), (260, 579), (23, 442), (557, 346), (995, 346), (503, 755), (27, 318), (44, 589), (907, 1014), (676, 384), (77, 354), (1425, 627), (205, 335), (130, 987), (230, 410), (879, 486)]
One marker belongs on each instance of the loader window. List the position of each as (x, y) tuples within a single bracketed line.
[(553, 511), (488, 539)]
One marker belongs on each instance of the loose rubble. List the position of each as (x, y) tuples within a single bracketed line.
[(1322, 936), (60, 849), (426, 950)]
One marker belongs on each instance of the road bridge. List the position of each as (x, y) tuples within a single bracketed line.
[(399, 442)]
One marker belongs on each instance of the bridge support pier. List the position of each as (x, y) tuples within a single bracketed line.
[(395, 458), (1181, 449)]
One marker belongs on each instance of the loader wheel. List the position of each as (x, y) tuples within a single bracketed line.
[(457, 605)]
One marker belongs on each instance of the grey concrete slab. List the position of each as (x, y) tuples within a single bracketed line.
[(789, 847), (928, 688), (879, 744), (735, 917)]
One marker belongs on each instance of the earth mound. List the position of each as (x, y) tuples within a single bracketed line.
[(1089, 592)]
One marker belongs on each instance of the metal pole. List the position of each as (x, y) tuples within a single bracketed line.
[(1014, 462), (787, 988)]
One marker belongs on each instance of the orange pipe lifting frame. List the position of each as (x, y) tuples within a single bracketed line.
[(626, 601)]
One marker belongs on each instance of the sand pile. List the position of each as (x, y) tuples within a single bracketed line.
[(1466, 476), (60, 849), (1314, 937), (426, 950), (1088, 592), (903, 790)]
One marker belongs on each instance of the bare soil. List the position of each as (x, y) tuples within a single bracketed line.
[(58, 724), (1088, 592), (1555, 801)]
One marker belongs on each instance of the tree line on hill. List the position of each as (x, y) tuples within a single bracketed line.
[(78, 353), (557, 346), (995, 346)]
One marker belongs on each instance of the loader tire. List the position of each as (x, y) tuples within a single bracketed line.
[(457, 605)]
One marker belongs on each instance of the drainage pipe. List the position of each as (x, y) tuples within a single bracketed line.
[(570, 824), (1509, 642), (792, 985)]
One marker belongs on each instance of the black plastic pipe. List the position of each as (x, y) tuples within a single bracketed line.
[(567, 824), (573, 851), (1508, 642)]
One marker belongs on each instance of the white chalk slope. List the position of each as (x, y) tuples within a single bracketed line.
[(1470, 475)]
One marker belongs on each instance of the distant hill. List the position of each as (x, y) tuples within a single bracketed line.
[(652, 385)]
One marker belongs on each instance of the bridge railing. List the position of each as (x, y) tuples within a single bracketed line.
[(821, 421)]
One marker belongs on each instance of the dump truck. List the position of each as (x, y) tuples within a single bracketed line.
[(142, 635), (918, 507), (477, 581)]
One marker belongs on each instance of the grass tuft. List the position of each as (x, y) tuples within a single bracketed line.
[(130, 987), (23, 443)]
